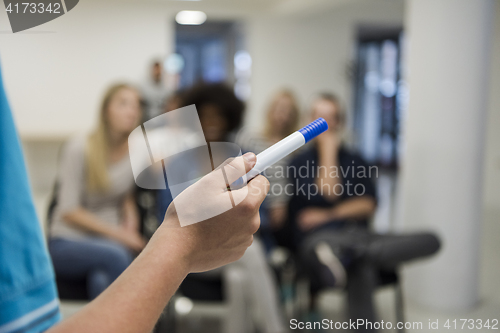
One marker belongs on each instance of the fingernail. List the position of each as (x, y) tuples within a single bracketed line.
[(250, 157)]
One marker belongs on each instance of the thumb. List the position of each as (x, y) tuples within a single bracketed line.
[(238, 166)]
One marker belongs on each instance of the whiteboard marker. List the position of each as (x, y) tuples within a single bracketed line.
[(283, 148)]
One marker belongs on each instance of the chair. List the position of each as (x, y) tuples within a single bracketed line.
[(71, 289), (67, 289)]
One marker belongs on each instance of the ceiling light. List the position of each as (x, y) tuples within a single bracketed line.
[(190, 17)]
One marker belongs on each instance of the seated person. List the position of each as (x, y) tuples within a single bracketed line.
[(332, 193), (93, 232), (332, 186), (332, 202)]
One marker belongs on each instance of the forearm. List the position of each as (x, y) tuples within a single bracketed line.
[(329, 176), (83, 219), (359, 207), (136, 299)]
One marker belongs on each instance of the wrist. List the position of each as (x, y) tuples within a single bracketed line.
[(169, 245)]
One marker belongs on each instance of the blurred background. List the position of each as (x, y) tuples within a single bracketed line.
[(419, 80)]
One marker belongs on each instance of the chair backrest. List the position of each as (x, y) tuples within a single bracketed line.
[(52, 206)]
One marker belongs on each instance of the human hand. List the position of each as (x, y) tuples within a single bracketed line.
[(311, 218), (221, 239), (329, 142)]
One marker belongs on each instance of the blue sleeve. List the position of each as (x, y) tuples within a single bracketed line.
[(28, 296)]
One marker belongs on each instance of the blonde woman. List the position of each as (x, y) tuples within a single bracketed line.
[(94, 228), (282, 118)]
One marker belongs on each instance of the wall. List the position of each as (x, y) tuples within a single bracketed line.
[(448, 66), (55, 74), (308, 53), (492, 152), (311, 52)]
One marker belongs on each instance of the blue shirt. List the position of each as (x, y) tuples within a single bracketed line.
[(28, 296)]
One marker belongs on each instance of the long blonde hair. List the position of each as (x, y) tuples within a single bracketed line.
[(292, 126), (98, 144)]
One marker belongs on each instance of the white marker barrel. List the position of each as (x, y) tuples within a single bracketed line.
[(283, 148), (276, 152)]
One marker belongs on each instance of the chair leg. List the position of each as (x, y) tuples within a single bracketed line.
[(361, 284), (236, 316), (400, 313), (302, 298)]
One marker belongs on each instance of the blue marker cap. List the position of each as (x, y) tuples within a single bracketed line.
[(314, 129)]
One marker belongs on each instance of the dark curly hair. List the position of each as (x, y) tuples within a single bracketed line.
[(219, 95)]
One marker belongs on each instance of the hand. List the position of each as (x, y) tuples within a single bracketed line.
[(311, 218), (131, 239), (329, 142), (221, 239)]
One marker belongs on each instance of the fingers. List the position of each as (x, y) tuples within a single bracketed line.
[(255, 224), (253, 194), (239, 166), (258, 188)]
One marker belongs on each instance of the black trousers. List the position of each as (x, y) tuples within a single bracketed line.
[(364, 255)]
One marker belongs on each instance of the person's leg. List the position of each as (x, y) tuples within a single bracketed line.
[(364, 254), (361, 283), (262, 287), (384, 251), (115, 258), (389, 251), (101, 261), (348, 247), (321, 252)]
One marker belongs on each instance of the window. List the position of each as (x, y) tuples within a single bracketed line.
[(380, 95)]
